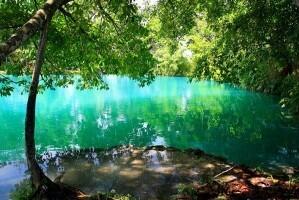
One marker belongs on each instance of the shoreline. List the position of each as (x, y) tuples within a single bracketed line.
[(156, 167), (195, 151)]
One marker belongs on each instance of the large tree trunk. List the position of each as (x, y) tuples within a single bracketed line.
[(30, 27), (37, 174)]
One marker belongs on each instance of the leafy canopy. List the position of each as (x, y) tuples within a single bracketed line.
[(87, 38), (251, 43)]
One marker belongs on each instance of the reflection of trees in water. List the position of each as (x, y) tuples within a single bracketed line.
[(231, 126), (218, 119), (145, 173), (11, 155), (142, 134), (230, 123), (104, 121), (154, 171)]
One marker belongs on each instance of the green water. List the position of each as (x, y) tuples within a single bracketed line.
[(242, 126)]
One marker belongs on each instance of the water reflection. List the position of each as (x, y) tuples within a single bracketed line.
[(147, 174), (11, 173), (150, 174), (241, 126)]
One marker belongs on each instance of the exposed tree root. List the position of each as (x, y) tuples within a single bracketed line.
[(53, 191)]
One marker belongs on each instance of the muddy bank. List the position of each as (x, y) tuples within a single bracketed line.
[(163, 173)]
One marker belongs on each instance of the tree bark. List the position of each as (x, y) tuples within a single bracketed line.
[(30, 27), (45, 188), (37, 174)]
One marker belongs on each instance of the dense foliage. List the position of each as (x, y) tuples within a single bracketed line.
[(88, 38), (250, 43), (255, 45)]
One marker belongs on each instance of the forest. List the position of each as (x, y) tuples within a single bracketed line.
[(252, 45)]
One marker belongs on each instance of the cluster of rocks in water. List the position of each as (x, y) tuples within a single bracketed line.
[(159, 172)]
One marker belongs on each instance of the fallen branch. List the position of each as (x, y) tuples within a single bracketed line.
[(224, 172)]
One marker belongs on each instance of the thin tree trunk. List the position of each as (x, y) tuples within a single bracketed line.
[(45, 188), (37, 174)]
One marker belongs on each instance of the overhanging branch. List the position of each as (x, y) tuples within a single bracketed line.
[(106, 14), (69, 15), (30, 27)]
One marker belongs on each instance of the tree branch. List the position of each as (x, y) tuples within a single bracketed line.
[(84, 32), (30, 27), (108, 17), (35, 4), (69, 15), (5, 78)]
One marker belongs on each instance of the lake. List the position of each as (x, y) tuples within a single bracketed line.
[(242, 126)]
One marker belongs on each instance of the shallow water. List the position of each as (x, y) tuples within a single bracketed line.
[(151, 174), (244, 127)]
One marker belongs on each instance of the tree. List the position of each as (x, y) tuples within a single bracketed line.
[(126, 53), (112, 32), (250, 43), (253, 44)]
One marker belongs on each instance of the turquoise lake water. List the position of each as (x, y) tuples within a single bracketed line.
[(241, 126)]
